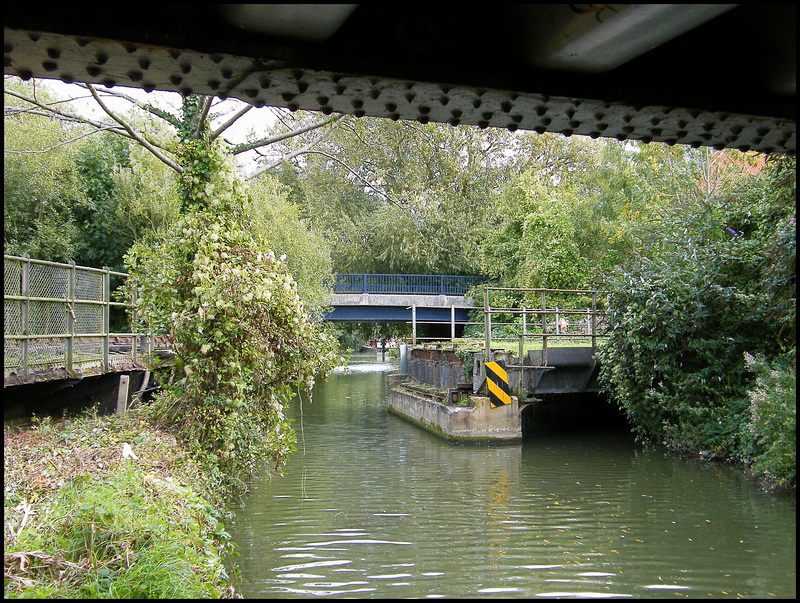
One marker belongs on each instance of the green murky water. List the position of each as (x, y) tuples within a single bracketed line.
[(374, 507)]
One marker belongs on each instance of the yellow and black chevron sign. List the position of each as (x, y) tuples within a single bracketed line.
[(497, 383)]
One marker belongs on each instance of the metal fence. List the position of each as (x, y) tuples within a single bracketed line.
[(544, 322), (406, 284), (56, 320)]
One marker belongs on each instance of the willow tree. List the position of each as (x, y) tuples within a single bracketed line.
[(402, 196), (243, 338)]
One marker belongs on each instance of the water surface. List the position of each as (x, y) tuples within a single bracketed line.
[(372, 506)]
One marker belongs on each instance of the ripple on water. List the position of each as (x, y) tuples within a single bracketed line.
[(582, 595), (415, 517), (356, 541), (304, 592), (491, 591), (301, 566), (373, 367)]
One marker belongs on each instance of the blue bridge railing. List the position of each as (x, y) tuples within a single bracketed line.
[(409, 284)]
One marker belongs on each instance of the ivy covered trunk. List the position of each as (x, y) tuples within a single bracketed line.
[(244, 342)]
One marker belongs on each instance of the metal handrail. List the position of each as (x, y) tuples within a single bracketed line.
[(592, 314), (405, 284), (54, 312)]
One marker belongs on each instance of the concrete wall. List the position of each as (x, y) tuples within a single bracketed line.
[(478, 422)]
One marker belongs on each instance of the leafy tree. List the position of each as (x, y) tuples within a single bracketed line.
[(244, 339), (536, 245), (96, 163), (686, 314), (402, 196), (40, 186), (278, 226), (84, 195)]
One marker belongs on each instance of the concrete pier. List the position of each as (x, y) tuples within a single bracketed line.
[(475, 421)]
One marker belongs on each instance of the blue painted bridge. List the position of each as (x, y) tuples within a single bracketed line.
[(402, 298)]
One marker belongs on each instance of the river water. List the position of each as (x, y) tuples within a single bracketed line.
[(374, 507)]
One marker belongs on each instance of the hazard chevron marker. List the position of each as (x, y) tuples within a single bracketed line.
[(497, 383)]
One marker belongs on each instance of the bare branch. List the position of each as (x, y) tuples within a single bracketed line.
[(153, 110), (10, 111), (52, 111), (308, 151), (55, 146), (249, 146), (230, 122), (135, 135), (291, 155)]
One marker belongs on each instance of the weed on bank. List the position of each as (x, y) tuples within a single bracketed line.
[(104, 507)]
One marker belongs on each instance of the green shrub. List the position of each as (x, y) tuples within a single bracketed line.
[(773, 418), (718, 285)]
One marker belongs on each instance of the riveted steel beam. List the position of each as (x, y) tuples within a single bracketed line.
[(407, 77)]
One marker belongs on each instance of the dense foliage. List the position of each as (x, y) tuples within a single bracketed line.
[(713, 292), (277, 224), (40, 187), (76, 197), (403, 197), (243, 339)]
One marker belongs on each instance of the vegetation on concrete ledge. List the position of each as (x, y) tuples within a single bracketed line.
[(103, 507)]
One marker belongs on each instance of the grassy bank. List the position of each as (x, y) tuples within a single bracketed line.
[(104, 507)]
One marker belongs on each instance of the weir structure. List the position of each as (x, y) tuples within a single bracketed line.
[(450, 391)]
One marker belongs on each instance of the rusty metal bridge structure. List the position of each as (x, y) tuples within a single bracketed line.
[(57, 317), (57, 324)]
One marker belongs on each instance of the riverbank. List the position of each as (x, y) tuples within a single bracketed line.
[(103, 507)]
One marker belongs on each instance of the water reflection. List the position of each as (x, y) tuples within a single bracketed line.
[(372, 506)]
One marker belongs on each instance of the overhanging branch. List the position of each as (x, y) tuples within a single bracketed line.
[(249, 146), (230, 122), (133, 134)]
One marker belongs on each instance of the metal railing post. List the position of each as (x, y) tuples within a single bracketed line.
[(594, 319), (134, 320), (487, 321), (521, 367), (544, 330), (365, 283), (106, 314), (524, 321), (70, 301), (414, 325), (544, 315), (25, 313)]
